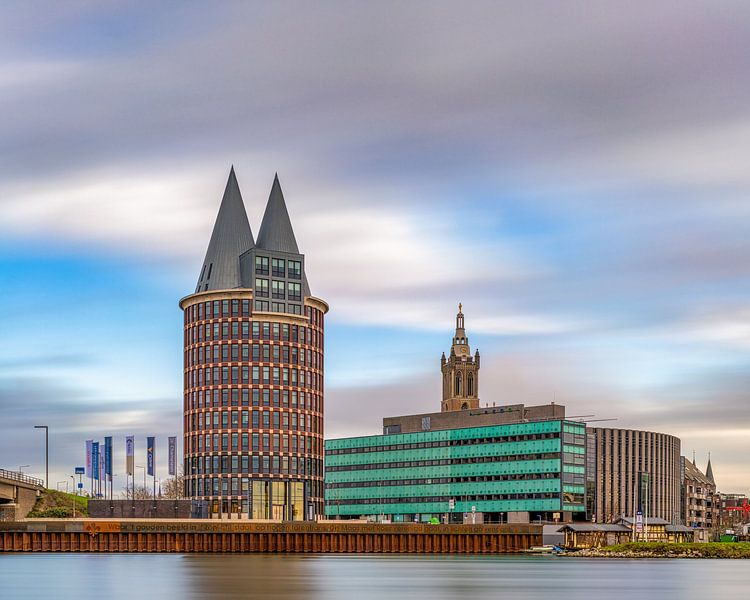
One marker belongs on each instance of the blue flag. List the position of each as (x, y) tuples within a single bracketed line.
[(95, 459), (108, 457), (150, 451)]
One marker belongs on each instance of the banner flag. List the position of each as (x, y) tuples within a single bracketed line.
[(102, 476), (89, 444), (129, 454), (172, 455), (95, 459), (108, 457), (150, 451)]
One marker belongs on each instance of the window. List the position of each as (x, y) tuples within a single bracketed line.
[(295, 291), (278, 307), (261, 287), (278, 267), (277, 289), (261, 305), (295, 269), (261, 265)]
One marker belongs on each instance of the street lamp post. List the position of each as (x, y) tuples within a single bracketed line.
[(46, 453), (75, 490), (22, 467)]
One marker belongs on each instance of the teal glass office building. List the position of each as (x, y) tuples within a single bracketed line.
[(517, 471)]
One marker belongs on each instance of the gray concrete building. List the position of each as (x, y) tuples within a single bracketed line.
[(629, 471)]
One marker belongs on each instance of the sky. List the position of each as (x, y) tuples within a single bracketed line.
[(576, 174)]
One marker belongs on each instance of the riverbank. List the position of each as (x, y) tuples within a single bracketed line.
[(665, 550), (207, 536)]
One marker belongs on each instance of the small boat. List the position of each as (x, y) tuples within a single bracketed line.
[(548, 550)]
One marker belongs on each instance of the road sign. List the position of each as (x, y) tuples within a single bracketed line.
[(639, 522), (80, 486), (80, 470)]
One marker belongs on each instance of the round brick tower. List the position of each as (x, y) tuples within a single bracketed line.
[(253, 371)]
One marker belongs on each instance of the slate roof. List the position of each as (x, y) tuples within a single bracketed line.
[(276, 231), (710, 472), (231, 237), (694, 473), (587, 527)]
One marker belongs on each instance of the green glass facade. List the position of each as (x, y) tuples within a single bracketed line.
[(535, 467)]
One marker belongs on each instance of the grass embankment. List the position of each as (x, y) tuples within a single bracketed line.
[(59, 505), (665, 550)]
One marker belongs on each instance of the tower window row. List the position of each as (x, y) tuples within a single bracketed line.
[(281, 420), (279, 290), (279, 267), (265, 442), (255, 330), (264, 397), (258, 375), (287, 354)]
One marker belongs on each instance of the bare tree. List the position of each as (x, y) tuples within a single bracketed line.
[(174, 487), (142, 493)]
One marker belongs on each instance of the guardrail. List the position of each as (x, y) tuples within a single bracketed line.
[(18, 476)]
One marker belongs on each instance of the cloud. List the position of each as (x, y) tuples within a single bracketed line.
[(572, 173), (73, 415)]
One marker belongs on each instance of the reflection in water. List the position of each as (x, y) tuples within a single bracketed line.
[(364, 577)]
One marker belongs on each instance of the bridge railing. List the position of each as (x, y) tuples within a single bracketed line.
[(20, 477)]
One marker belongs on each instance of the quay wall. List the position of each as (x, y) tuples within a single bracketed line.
[(187, 536)]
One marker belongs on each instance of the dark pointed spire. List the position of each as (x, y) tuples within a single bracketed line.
[(710, 471), (231, 237), (276, 231)]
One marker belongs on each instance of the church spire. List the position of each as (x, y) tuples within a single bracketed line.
[(460, 341), (231, 237), (710, 471), (276, 231)]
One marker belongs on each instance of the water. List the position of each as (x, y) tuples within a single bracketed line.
[(365, 577)]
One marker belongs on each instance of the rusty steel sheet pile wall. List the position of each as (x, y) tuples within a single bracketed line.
[(185, 536)]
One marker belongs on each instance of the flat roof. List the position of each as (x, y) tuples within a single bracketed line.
[(524, 422), (595, 527)]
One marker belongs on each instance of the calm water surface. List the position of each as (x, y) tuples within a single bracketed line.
[(141, 576)]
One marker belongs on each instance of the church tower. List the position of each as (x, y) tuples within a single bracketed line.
[(460, 372)]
